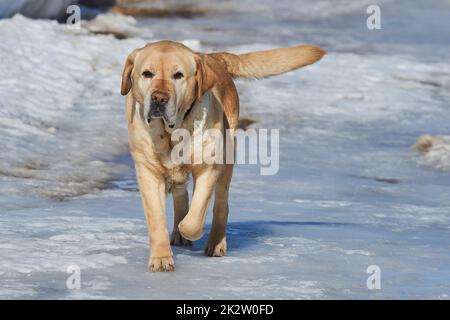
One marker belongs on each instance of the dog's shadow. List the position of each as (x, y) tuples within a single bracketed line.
[(243, 234)]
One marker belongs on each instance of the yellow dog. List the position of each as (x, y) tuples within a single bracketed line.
[(170, 87)]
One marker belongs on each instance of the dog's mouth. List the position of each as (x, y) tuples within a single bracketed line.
[(157, 113)]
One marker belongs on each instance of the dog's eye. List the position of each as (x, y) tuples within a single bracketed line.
[(178, 75), (148, 74)]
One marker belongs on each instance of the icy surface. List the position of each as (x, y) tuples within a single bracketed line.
[(351, 191)]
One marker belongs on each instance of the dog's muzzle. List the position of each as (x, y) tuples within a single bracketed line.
[(158, 111), (158, 102)]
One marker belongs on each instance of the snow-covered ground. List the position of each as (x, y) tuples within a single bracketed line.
[(351, 191)]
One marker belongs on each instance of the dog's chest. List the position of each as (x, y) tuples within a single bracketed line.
[(173, 172), (156, 145), (176, 165)]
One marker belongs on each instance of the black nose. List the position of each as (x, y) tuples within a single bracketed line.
[(160, 97)]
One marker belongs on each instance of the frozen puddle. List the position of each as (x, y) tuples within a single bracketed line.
[(350, 192)]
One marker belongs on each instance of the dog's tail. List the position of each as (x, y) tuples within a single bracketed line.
[(263, 64)]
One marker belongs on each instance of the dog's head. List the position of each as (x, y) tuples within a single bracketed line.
[(166, 78)]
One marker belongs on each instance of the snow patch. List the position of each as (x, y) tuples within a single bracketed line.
[(434, 152), (117, 24)]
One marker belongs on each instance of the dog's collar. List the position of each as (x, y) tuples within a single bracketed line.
[(190, 109)]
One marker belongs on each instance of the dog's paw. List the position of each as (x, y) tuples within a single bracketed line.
[(164, 264), (216, 249), (177, 239)]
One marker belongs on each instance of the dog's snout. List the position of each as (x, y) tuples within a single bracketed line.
[(160, 97)]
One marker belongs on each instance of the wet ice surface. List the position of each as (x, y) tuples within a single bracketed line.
[(350, 191)]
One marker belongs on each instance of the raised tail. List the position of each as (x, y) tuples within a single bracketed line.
[(263, 64)]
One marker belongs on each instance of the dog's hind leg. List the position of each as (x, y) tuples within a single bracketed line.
[(181, 208), (217, 243)]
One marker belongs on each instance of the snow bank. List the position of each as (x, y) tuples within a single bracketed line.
[(61, 113), (117, 24)]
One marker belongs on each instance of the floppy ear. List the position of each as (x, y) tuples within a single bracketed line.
[(206, 78), (126, 74)]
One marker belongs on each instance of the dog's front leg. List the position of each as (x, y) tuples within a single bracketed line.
[(153, 193), (191, 227)]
